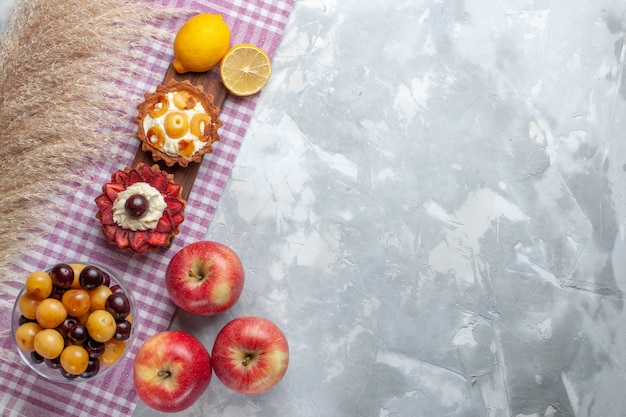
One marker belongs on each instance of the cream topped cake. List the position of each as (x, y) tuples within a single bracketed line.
[(178, 123), (140, 208)]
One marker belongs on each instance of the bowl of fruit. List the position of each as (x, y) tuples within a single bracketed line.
[(74, 321)]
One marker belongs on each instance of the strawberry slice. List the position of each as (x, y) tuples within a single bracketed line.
[(177, 218), (112, 189), (133, 177), (173, 204), (146, 172), (119, 176), (159, 239), (138, 241), (122, 238), (102, 201), (109, 232), (165, 224), (160, 182), (172, 190), (106, 215)]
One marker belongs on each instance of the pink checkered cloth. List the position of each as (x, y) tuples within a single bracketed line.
[(22, 392)]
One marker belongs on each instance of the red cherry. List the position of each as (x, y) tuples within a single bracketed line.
[(136, 205), (62, 275)]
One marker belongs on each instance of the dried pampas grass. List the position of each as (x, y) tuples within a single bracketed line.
[(59, 61)]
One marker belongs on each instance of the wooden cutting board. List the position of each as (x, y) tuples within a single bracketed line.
[(186, 176)]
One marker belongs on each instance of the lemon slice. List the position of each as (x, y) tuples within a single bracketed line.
[(245, 69)]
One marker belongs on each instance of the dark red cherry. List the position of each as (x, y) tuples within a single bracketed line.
[(67, 374), (78, 334), (93, 348), (136, 205), (106, 279), (53, 363), (67, 325), (62, 275), (57, 292), (36, 357), (92, 368), (91, 277), (122, 330), (117, 289), (118, 305)]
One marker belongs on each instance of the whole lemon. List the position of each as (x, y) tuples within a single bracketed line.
[(201, 43)]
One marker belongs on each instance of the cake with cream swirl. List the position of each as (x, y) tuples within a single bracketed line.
[(141, 208), (177, 123)]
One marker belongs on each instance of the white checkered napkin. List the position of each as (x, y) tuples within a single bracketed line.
[(77, 234)]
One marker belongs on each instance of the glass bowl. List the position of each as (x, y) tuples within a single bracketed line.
[(50, 369)]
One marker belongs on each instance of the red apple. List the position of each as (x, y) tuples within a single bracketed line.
[(250, 355), (205, 278), (172, 369)]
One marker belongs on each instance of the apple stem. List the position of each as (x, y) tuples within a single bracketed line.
[(247, 360), (164, 374), (198, 276)]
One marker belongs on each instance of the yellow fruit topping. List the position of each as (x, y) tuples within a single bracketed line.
[(186, 148), (160, 107), (201, 43), (184, 100), (176, 124), (245, 70), (198, 123), (156, 137)]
